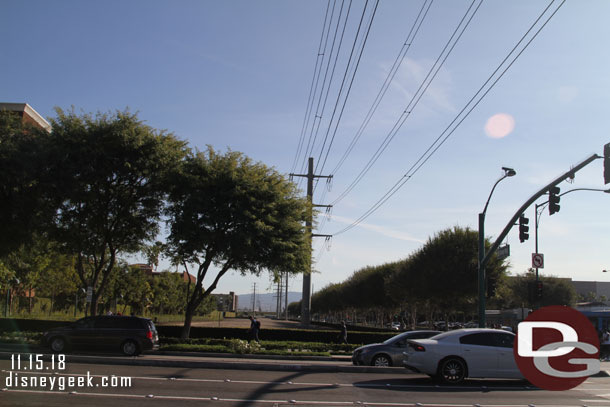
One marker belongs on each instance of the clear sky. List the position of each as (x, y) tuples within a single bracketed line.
[(237, 74)]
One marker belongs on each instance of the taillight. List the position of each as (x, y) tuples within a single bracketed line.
[(149, 335), (417, 347)]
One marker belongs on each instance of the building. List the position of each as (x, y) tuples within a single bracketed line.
[(149, 271), (589, 288), (27, 114)]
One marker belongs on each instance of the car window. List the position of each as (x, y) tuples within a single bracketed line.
[(422, 335), (103, 323), (504, 340), (479, 338), (84, 323)]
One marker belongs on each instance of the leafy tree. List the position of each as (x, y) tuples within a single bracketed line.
[(25, 198), (443, 273), (168, 293), (110, 172), (226, 212), (514, 292)]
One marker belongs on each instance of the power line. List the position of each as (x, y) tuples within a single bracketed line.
[(457, 120), (423, 87), (353, 76), (389, 78), (312, 90), (320, 113)]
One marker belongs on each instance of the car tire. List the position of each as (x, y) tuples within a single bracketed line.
[(58, 344), (381, 360), (130, 348), (452, 370)]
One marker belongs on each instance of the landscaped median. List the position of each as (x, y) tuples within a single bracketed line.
[(240, 346)]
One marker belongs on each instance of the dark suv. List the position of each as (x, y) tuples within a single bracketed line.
[(130, 335)]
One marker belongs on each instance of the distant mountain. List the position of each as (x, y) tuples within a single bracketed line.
[(265, 302)]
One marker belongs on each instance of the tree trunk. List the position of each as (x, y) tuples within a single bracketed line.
[(30, 298), (188, 318)]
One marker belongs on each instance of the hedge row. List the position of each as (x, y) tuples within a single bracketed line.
[(297, 335)]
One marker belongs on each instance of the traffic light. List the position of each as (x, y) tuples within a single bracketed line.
[(607, 163), (553, 200), (523, 228), (539, 290)]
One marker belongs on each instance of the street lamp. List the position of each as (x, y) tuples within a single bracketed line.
[(508, 172)]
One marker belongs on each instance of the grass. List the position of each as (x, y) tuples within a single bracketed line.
[(29, 338)]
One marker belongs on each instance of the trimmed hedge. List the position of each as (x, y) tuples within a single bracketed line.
[(30, 325), (297, 335)]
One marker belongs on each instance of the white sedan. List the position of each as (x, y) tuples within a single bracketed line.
[(452, 356)]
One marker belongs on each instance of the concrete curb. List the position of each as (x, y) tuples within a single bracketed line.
[(197, 360), (282, 365)]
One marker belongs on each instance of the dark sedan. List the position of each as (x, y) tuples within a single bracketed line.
[(390, 352)]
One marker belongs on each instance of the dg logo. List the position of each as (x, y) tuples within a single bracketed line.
[(557, 348)]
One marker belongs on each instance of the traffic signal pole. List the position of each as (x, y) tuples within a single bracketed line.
[(484, 259)]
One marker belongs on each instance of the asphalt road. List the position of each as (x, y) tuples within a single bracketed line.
[(177, 386)]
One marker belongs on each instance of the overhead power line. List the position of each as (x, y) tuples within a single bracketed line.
[(461, 116), (406, 46), (312, 89), (423, 87), (326, 83), (351, 82)]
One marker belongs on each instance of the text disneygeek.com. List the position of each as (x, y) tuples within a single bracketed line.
[(28, 371)]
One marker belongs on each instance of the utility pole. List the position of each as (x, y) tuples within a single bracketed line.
[(286, 300), (306, 297), (254, 301)]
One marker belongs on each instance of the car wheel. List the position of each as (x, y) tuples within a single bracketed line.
[(452, 370), (58, 344), (130, 348), (381, 360)]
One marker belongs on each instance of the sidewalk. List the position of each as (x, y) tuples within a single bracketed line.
[(194, 360)]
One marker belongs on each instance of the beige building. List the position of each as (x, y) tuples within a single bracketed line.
[(27, 113)]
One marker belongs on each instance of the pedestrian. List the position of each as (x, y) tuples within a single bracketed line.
[(343, 334), (255, 327)]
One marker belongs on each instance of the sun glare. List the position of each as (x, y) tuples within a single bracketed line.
[(499, 125)]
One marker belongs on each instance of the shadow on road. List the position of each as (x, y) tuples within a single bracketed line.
[(270, 388), (429, 385)]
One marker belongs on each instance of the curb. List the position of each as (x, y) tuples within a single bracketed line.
[(218, 364), (284, 363)]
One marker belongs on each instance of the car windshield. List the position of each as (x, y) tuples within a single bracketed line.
[(396, 338), (442, 336)]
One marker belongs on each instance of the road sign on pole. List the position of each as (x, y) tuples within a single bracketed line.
[(89, 293), (503, 252), (538, 260)]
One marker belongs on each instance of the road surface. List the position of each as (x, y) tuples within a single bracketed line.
[(179, 386)]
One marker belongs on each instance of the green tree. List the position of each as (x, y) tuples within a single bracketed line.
[(226, 212), (169, 293), (515, 292), (443, 273), (110, 172), (25, 198)]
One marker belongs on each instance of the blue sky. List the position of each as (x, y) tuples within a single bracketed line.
[(237, 74)]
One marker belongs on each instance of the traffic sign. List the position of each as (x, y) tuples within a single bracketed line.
[(89, 293), (503, 252), (538, 260)]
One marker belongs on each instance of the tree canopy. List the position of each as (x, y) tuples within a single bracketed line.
[(227, 212)]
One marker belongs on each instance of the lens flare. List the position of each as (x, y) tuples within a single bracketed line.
[(499, 125)]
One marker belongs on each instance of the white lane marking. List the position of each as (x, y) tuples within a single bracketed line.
[(281, 402), (363, 385)]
